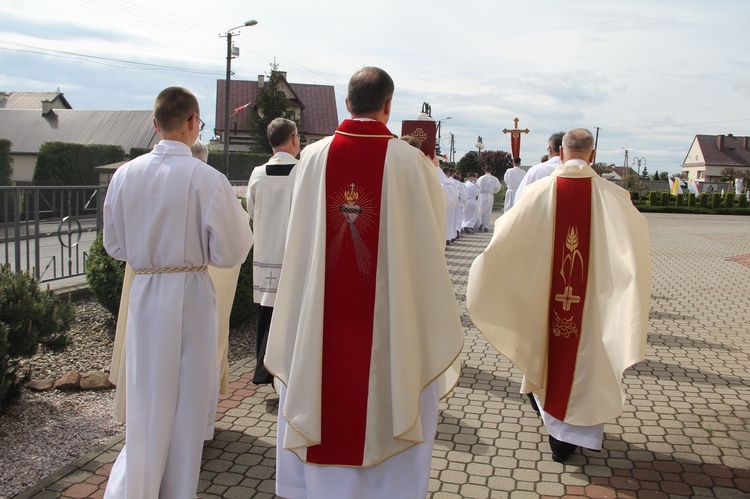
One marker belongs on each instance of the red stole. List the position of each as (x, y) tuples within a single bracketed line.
[(570, 264), (354, 185)]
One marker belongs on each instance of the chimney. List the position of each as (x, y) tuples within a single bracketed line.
[(46, 108), (720, 142), (283, 74), (261, 80)]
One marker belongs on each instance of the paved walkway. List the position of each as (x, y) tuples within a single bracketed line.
[(685, 431)]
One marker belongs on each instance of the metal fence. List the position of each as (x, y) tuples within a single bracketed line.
[(47, 231)]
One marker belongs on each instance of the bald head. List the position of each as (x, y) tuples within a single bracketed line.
[(369, 94), (578, 143)]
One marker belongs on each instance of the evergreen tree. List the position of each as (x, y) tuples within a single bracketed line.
[(270, 103), (6, 162), (644, 174), (656, 176)]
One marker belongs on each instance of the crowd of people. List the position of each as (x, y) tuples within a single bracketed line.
[(359, 328)]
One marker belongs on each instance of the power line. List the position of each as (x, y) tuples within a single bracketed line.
[(106, 61)]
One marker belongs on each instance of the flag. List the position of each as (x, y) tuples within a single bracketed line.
[(240, 108), (693, 187), (676, 188)]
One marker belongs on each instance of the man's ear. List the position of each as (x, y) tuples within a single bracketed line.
[(591, 158), (562, 156), (346, 101)]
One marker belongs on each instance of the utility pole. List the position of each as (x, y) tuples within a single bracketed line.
[(452, 152), (596, 145)]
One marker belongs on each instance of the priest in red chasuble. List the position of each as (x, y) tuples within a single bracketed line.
[(366, 333), (562, 290)]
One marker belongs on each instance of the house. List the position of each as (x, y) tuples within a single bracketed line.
[(621, 172), (313, 107), (709, 155), (28, 129), (33, 100)]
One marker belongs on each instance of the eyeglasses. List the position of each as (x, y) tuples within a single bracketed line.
[(202, 125)]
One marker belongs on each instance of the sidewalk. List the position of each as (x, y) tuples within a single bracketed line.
[(685, 431)]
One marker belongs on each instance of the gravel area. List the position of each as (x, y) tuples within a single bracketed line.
[(42, 432)]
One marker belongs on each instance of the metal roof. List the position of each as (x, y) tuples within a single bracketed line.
[(28, 129), (32, 100)]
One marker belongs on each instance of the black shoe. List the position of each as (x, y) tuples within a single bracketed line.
[(533, 403), (486, 229), (561, 451)]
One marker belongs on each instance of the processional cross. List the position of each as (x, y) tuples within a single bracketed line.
[(515, 138)]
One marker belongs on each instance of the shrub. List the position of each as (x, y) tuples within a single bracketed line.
[(634, 195), (716, 200), (241, 164), (703, 200), (679, 199), (138, 151), (664, 199), (104, 275), (60, 163), (743, 200), (29, 317), (691, 200), (653, 198), (729, 200)]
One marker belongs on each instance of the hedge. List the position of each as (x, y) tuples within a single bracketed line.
[(6, 162), (60, 163)]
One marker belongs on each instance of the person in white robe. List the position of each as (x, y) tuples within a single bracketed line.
[(269, 199), (512, 178), (225, 283), (463, 196), (170, 215), (545, 168), (451, 200), (471, 210), (488, 185), (581, 316), (366, 334)]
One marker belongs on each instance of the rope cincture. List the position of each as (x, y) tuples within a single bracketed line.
[(171, 270)]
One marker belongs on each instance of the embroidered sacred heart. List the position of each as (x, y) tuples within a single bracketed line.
[(351, 212)]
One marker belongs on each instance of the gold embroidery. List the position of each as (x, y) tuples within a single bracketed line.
[(569, 257), (564, 327), (419, 134)]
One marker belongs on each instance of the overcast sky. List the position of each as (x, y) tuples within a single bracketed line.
[(650, 74)]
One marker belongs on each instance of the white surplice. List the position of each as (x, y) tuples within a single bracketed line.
[(269, 199), (451, 199), (536, 172), (513, 177), (167, 210), (514, 317), (488, 185), (471, 209), (416, 336)]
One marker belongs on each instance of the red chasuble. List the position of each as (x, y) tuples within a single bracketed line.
[(570, 264), (354, 184)]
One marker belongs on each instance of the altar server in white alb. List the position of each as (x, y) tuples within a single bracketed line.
[(488, 185), (471, 210), (366, 334), (545, 168), (170, 215), (269, 199), (513, 177), (579, 317)]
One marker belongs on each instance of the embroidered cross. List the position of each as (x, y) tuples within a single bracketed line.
[(567, 298)]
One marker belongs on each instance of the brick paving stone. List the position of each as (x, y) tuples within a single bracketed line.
[(685, 424)]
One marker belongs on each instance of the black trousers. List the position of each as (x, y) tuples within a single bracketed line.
[(262, 376)]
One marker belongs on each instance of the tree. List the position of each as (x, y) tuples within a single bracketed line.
[(469, 163), (500, 161), (656, 175), (602, 168), (644, 174), (665, 176), (270, 103)]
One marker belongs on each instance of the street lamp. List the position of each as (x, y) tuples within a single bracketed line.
[(638, 161), (229, 35), (480, 146)]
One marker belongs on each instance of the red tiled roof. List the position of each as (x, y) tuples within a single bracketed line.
[(318, 102), (735, 150)]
